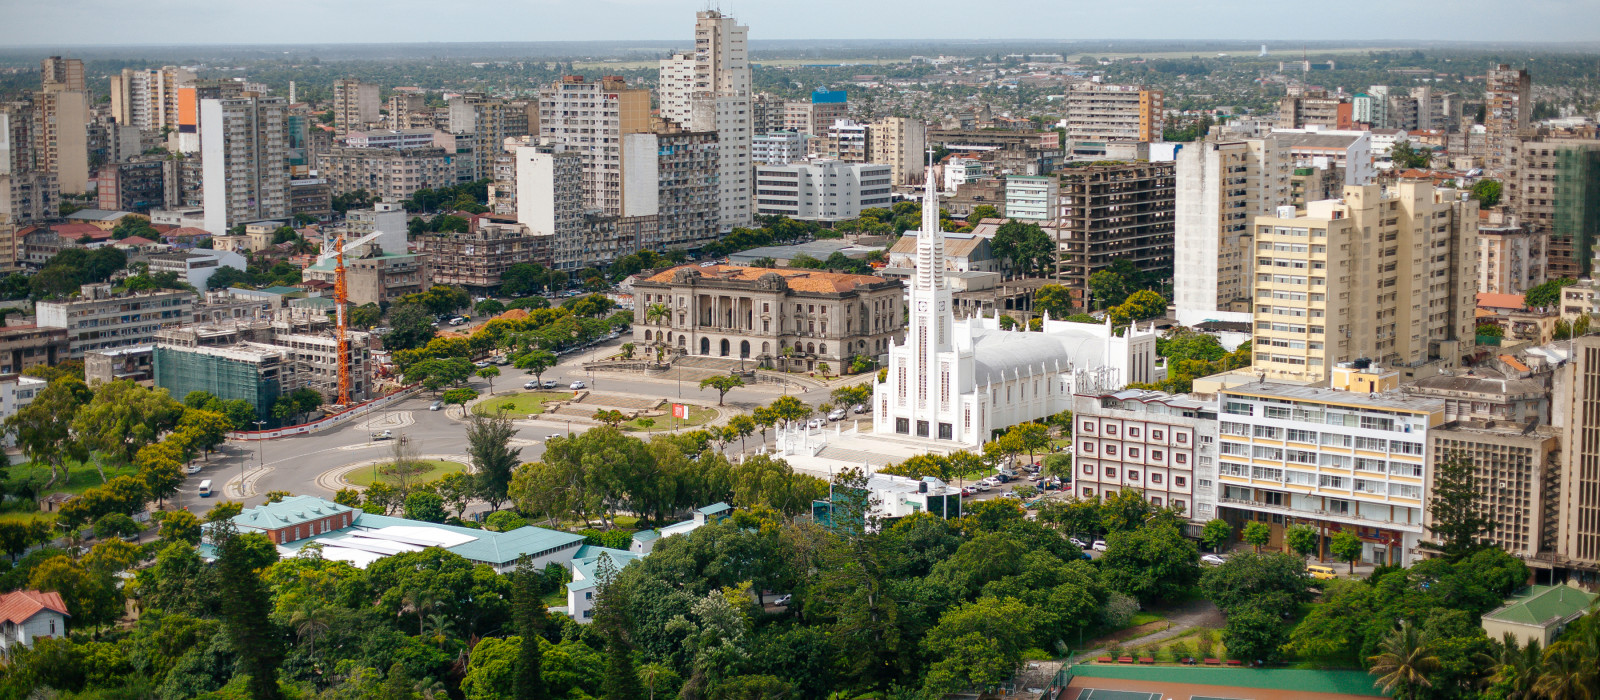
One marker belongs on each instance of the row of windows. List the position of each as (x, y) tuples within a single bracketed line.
[(1133, 433)]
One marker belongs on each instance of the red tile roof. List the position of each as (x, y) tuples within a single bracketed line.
[(135, 240), (187, 231), (801, 280), (21, 606)]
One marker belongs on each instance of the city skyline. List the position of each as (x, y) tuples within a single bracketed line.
[(99, 23)]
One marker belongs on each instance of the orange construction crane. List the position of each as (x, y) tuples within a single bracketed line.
[(340, 299)]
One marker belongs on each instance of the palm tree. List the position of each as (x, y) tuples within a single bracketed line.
[(1405, 660), (1518, 669), (1572, 665), (656, 675), (309, 622), (655, 313)]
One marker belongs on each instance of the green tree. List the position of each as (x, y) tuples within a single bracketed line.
[(1257, 534), (1490, 330), (44, 427), (1301, 538), (1347, 546), (1216, 534), (530, 616), (536, 361), (1546, 295), (1487, 192), (489, 373), (1150, 563), (180, 526), (979, 643), (983, 211), (1053, 299), (493, 458), (410, 326), (1254, 634), (459, 396), (1405, 156), (1026, 247), (723, 383), (1457, 521), (1405, 662), (425, 505), (1274, 582)]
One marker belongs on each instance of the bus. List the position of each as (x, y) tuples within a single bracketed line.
[(205, 489)]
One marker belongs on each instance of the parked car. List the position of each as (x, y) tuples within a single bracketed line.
[(436, 406), (578, 385), (814, 423), (1077, 543), (1098, 546), (1213, 560), (480, 364), (982, 487), (1011, 494), (837, 414), (783, 600), (1321, 573), (382, 435), (553, 436), (457, 321), (530, 385), (551, 384), (192, 469), (859, 408), (967, 491)]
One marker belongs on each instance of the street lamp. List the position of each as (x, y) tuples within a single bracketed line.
[(260, 456)]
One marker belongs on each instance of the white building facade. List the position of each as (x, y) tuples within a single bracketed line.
[(1159, 444), (957, 382), (822, 190)]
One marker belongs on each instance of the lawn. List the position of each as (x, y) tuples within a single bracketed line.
[(436, 468), (528, 403), (698, 415), (22, 513), (80, 477)]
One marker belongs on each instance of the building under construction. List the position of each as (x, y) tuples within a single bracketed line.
[(1557, 191), (260, 360)]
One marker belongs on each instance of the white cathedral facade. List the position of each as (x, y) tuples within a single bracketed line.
[(958, 381)]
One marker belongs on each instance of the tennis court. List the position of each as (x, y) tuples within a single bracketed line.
[(1102, 694)]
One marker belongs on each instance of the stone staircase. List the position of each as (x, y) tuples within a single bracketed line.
[(854, 457)]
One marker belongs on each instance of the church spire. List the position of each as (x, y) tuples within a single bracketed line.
[(930, 241)]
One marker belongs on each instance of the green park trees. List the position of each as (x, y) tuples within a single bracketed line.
[(723, 383)]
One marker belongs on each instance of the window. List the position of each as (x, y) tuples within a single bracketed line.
[(1133, 432), (1156, 435), (1369, 465), (1336, 440), (1373, 444), (1336, 461), (1111, 472), (1111, 450), (1156, 501), (1087, 427), (1180, 505), (1204, 483), (1088, 492), (1403, 469), (1088, 470), (1299, 478), (1301, 457), (1277, 412), (1133, 475), (1306, 436), (1330, 481), (1266, 473), (1239, 408), (1405, 490), (1111, 430), (1405, 448), (1272, 453), (1157, 455), (1180, 458), (1228, 469), (1238, 429), (1180, 481), (1238, 449), (1267, 431), (1155, 478), (1183, 438), (1133, 453)]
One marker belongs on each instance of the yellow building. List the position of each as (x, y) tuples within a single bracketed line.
[(1386, 274)]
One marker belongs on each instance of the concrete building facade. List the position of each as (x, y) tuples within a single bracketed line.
[(1160, 445), (901, 143), (387, 173), (822, 190), (590, 119), (1110, 212), (98, 319), (244, 160), (1222, 184)]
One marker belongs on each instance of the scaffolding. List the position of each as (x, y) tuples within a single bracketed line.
[(1576, 200)]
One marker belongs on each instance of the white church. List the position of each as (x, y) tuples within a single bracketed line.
[(955, 382)]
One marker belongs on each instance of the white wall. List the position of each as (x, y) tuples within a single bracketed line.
[(214, 168), (640, 175), (536, 207)]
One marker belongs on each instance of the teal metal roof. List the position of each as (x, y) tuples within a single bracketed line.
[(646, 535), (1542, 605), (289, 512), (497, 548), (715, 509), (588, 558)]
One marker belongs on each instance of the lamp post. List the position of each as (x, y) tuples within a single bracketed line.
[(260, 456)]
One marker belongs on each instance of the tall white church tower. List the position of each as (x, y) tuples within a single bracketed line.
[(925, 382)]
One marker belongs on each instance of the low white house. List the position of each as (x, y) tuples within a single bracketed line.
[(15, 393), (586, 563), (29, 615), (196, 265)]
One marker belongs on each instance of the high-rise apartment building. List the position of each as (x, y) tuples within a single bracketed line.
[(778, 148), (842, 140), (61, 128), (1350, 457), (486, 123), (1160, 445), (1576, 409), (63, 73), (408, 110), (1223, 183), (355, 105), (590, 118), (1096, 114), (244, 158), (1110, 212), (671, 174), (187, 137), (1315, 109), (550, 200), (148, 98), (900, 143), (1508, 106), (98, 319), (1555, 190), (1512, 258), (716, 97), (28, 192), (1384, 274)]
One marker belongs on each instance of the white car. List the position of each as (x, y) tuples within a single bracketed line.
[(783, 600), (1011, 495), (192, 469), (1098, 546), (982, 487), (1077, 543), (836, 414), (814, 424), (578, 385), (530, 385), (1213, 560)]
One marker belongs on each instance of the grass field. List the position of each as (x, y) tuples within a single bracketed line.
[(437, 469), (698, 415), (528, 403), (80, 476)]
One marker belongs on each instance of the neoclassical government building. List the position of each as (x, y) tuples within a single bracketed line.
[(781, 317)]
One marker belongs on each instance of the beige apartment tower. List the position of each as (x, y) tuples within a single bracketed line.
[(898, 142), (590, 118), (355, 105), (1507, 110), (1387, 275), (1576, 410)]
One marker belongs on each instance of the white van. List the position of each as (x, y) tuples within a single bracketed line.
[(205, 489)]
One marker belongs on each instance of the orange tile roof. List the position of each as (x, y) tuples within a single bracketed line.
[(1511, 361), (21, 606), (800, 280), (1491, 300)]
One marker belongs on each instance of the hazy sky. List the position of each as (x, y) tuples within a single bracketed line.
[(99, 22)]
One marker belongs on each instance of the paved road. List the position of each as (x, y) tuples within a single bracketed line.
[(294, 464)]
